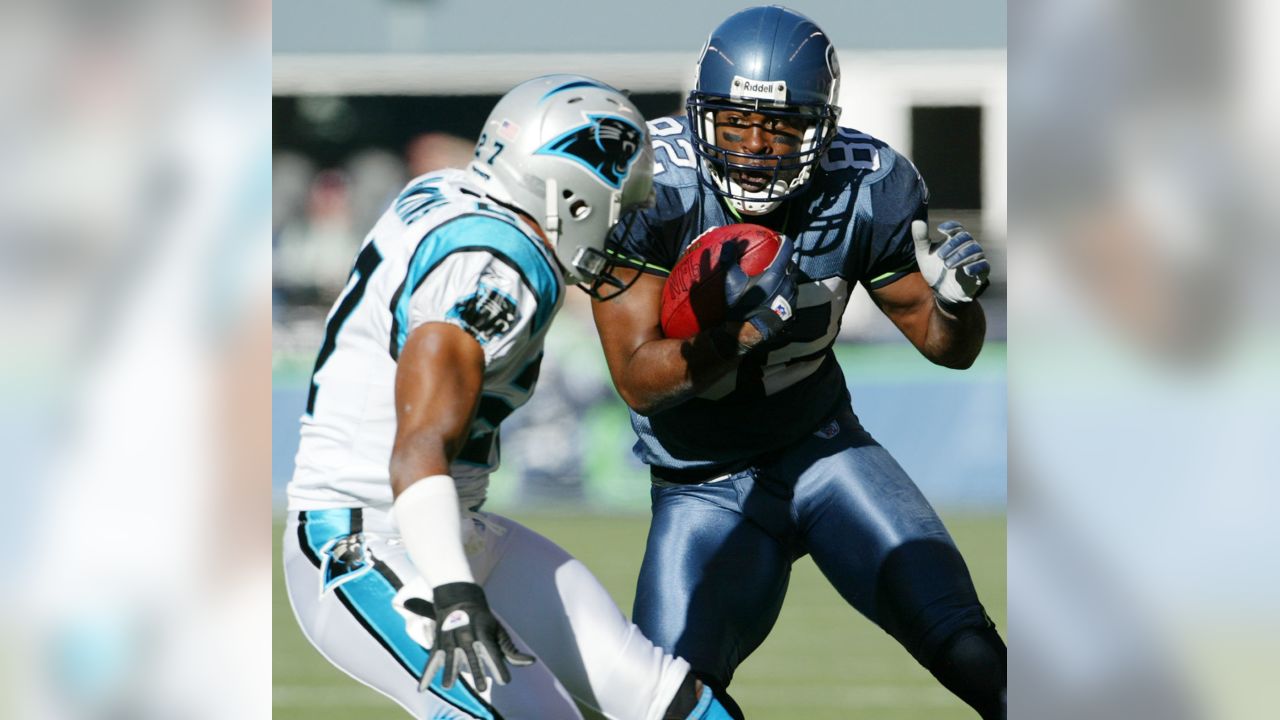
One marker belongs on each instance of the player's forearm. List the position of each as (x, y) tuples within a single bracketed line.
[(663, 373), (955, 334), (426, 501), (438, 381), (427, 442), (429, 517), (417, 455)]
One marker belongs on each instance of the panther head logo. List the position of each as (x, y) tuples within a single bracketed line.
[(606, 145), (343, 559)]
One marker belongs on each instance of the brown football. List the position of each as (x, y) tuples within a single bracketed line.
[(693, 297)]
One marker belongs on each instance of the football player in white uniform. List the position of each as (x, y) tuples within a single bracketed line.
[(394, 572)]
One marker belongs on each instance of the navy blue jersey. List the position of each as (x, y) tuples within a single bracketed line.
[(851, 225)]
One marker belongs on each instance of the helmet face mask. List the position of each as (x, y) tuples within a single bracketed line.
[(599, 267), (756, 183), (573, 154), (603, 283), (779, 70)]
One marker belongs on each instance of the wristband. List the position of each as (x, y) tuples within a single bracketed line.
[(726, 343), (431, 528)]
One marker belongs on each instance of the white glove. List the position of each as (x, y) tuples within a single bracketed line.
[(956, 268)]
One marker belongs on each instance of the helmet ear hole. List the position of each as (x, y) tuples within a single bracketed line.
[(579, 209)]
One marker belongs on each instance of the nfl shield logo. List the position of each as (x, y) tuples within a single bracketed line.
[(781, 307), (829, 430)]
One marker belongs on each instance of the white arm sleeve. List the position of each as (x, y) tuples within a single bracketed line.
[(430, 525)]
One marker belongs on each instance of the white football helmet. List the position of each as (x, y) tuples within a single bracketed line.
[(574, 154)]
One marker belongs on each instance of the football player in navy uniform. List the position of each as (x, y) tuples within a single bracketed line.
[(757, 457)]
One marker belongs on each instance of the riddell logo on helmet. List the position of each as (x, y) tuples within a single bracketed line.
[(746, 88)]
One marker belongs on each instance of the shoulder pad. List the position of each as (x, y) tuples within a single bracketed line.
[(861, 154), (674, 161)]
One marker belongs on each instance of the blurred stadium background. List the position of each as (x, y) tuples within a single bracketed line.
[(369, 94)]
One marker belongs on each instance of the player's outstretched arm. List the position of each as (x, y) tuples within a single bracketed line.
[(653, 372), (438, 382), (937, 308)]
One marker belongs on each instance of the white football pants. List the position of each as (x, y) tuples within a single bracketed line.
[(348, 576)]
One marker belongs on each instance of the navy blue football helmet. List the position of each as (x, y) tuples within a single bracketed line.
[(776, 62)]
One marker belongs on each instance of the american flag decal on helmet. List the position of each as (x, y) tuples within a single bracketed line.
[(508, 130)]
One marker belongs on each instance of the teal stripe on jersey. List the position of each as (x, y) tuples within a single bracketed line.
[(480, 232)]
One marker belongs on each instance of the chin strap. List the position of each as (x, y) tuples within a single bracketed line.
[(728, 203)]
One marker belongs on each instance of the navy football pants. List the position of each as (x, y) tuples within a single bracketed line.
[(719, 554)]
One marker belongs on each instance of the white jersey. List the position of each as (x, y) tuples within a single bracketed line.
[(441, 253)]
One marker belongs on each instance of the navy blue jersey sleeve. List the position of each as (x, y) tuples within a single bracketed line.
[(649, 238), (896, 200)]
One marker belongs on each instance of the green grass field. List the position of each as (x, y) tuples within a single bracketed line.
[(823, 661)]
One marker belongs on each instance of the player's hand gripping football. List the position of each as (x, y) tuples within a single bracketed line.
[(468, 634), (767, 300), (955, 267)]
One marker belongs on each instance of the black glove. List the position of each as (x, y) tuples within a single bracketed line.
[(766, 300), (467, 632)]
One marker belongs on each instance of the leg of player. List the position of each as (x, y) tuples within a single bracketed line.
[(342, 576), (907, 575), (697, 701), (569, 620), (712, 583)]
